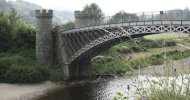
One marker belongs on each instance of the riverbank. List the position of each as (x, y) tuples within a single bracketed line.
[(25, 91), (169, 68)]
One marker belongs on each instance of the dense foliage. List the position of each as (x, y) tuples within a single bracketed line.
[(20, 67), (5, 32), (123, 17), (14, 34), (17, 51)]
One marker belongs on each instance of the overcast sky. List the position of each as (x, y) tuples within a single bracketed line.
[(110, 7)]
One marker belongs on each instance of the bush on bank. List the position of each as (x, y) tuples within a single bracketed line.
[(21, 67), (56, 74)]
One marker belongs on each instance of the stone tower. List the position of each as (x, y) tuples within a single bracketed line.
[(83, 19), (44, 38)]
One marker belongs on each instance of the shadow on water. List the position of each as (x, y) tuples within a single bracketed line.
[(77, 91)]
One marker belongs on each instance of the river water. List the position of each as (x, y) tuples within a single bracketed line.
[(106, 88), (98, 89)]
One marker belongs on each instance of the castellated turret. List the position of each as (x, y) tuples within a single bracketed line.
[(83, 19), (44, 38)]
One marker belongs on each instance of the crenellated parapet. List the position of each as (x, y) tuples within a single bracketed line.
[(44, 13)]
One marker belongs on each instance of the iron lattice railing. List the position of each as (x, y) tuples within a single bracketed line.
[(177, 15)]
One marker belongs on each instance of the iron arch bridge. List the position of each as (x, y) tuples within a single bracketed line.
[(76, 47), (80, 41), (84, 43)]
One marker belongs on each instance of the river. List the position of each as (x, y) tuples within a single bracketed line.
[(98, 89), (106, 88)]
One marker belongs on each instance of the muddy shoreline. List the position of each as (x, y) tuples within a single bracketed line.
[(25, 91)]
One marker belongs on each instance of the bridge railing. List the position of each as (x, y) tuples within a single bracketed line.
[(122, 17)]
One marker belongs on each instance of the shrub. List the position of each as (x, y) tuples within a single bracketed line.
[(23, 74), (56, 74), (155, 59), (4, 66), (152, 44), (107, 66), (14, 60), (20, 67), (28, 53), (169, 43), (121, 50), (24, 36)]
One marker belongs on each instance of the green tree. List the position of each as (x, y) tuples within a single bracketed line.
[(14, 17), (68, 26), (95, 12), (24, 36), (123, 17), (5, 33), (13, 33)]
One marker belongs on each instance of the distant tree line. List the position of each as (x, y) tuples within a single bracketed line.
[(122, 16)]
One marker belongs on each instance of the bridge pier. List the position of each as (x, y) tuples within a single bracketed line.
[(79, 69)]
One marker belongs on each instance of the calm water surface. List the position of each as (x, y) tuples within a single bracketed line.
[(99, 89)]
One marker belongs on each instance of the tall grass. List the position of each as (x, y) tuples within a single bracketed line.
[(173, 86)]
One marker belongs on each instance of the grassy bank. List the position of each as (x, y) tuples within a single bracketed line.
[(108, 65), (150, 51)]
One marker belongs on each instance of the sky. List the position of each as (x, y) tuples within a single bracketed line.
[(110, 7)]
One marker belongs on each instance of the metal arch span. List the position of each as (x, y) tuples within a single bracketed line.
[(79, 41)]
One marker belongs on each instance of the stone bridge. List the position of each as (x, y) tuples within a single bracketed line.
[(73, 49)]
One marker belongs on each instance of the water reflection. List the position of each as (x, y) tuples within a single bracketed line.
[(104, 89), (75, 92)]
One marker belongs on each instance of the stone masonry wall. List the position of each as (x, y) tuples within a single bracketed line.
[(44, 38)]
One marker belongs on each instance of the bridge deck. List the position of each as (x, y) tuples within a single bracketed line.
[(138, 23)]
